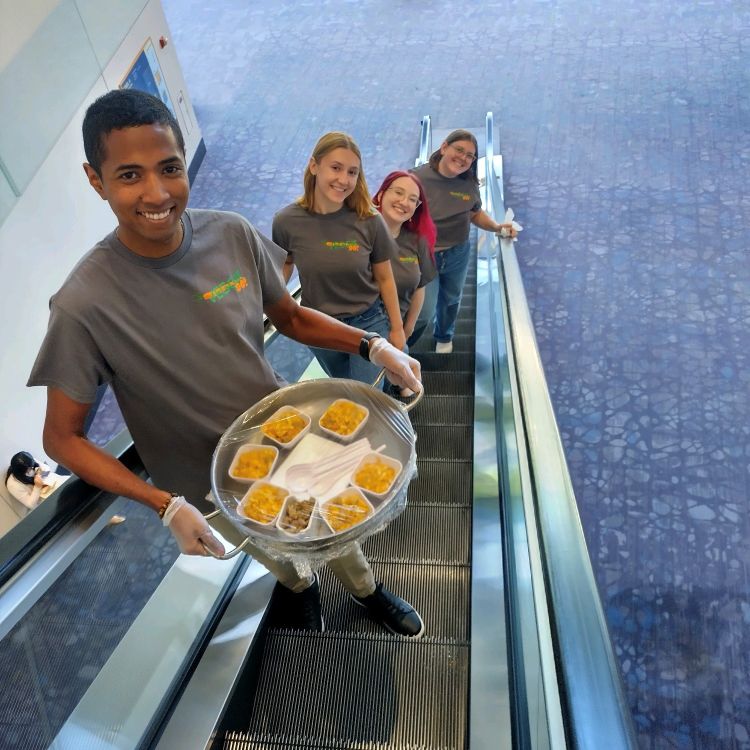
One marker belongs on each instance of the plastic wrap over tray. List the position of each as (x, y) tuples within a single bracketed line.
[(357, 448)]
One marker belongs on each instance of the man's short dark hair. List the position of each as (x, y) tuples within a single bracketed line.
[(119, 109)]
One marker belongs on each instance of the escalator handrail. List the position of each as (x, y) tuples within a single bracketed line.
[(597, 713), (425, 141)]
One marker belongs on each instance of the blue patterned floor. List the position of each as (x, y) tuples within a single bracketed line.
[(624, 127)]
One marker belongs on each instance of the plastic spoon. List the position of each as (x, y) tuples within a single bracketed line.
[(301, 477), (329, 478)]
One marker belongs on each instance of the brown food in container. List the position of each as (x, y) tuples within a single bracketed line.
[(296, 515)]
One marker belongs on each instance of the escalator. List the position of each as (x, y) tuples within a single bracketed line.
[(356, 685), (489, 550)]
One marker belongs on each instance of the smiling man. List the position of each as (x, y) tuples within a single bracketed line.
[(168, 309)]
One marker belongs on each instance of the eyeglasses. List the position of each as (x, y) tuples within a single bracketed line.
[(401, 195), (462, 152)]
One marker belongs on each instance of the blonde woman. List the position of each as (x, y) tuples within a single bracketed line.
[(342, 250)]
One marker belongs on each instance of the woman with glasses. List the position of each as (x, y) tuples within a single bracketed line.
[(402, 202), (342, 250), (451, 183)]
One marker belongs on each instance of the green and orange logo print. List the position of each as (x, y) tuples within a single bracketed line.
[(462, 196), (351, 245), (236, 281)]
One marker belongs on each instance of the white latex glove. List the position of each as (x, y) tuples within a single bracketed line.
[(190, 529), (400, 368)]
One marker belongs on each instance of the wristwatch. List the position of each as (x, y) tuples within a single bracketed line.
[(364, 344)]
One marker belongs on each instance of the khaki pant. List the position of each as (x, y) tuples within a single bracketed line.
[(352, 569)]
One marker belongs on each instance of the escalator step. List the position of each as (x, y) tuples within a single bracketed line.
[(466, 326), (432, 589), (425, 533), (449, 383), (436, 473), (447, 443), (371, 688), (434, 362), (240, 741), (443, 410)]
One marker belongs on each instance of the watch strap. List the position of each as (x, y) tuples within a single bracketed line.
[(364, 344)]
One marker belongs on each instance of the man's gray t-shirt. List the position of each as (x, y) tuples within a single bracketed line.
[(452, 201), (412, 267), (334, 254), (180, 340)]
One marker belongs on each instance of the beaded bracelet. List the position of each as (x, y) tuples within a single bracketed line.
[(167, 503)]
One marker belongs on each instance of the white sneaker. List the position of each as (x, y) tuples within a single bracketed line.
[(444, 347)]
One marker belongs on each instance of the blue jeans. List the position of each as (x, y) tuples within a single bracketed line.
[(352, 366), (442, 296)]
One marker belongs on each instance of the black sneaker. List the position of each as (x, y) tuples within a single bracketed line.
[(392, 612), (300, 611)]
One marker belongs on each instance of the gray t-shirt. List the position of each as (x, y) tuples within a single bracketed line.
[(180, 340), (412, 267), (452, 200), (334, 254)]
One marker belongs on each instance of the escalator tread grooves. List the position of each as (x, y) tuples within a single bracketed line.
[(424, 532), (377, 690), (440, 410), (445, 475), (432, 589), (449, 383), (240, 741), (448, 443)]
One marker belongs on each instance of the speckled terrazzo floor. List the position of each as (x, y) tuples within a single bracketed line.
[(625, 133)]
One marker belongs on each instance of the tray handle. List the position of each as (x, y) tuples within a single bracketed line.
[(233, 552), (412, 403)]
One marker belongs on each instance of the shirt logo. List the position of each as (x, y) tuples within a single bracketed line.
[(462, 196), (236, 281), (350, 245), (408, 259)]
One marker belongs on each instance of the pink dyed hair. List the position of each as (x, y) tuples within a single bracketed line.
[(421, 223)]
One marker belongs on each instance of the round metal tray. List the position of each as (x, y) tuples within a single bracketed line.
[(388, 423)]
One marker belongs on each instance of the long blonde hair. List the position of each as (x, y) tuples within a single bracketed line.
[(359, 201)]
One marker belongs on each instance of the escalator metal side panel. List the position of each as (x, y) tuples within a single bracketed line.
[(490, 705), (209, 690), (537, 714)]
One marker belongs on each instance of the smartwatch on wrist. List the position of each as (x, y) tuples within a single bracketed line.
[(364, 345)]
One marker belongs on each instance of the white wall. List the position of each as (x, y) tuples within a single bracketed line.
[(56, 219)]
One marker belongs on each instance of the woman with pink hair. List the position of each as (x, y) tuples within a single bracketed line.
[(402, 202)]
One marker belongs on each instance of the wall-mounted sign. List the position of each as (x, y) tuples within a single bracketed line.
[(145, 75)]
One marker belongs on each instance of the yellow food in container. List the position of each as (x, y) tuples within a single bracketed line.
[(263, 502), (285, 427), (346, 509), (376, 476), (343, 417), (254, 463)]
